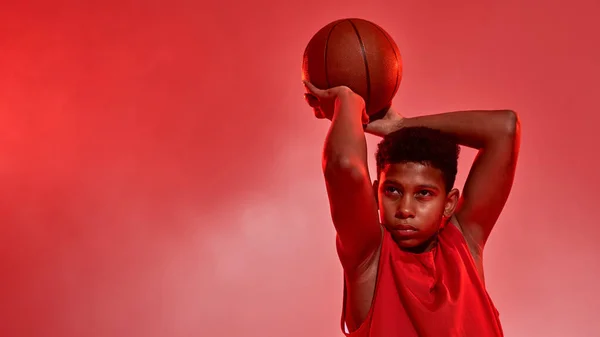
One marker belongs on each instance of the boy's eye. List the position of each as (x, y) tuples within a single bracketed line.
[(391, 190), (425, 193)]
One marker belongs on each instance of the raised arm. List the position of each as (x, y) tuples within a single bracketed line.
[(496, 134), (351, 197)]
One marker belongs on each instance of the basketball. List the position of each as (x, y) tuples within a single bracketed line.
[(358, 54)]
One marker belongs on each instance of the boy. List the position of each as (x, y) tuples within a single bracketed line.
[(416, 269)]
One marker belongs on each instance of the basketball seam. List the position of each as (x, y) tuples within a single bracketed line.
[(396, 55), (364, 53), (326, 51)]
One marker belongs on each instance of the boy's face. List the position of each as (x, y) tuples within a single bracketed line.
[(412, 201)]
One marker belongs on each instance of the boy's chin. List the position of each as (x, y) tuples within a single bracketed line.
[(406, 242), (413, 245)]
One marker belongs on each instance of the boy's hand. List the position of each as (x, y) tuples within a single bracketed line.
[(386, 124), (323, 101)]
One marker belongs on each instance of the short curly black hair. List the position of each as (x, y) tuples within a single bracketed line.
[(420, 145)]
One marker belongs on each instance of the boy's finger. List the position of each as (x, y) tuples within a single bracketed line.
[(312, 100), (311, 87), (318, 113)]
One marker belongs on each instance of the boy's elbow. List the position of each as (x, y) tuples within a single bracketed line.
[(343, 167), (510, 123)]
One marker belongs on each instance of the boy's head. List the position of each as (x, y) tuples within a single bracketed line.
[(416, 169)]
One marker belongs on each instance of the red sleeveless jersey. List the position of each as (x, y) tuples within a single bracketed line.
[(432, 294)]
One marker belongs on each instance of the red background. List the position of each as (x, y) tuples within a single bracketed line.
[(160, 171)]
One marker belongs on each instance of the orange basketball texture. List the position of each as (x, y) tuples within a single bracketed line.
[(356, 53)]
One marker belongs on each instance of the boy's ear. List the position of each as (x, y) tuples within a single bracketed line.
[(451, 202)]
